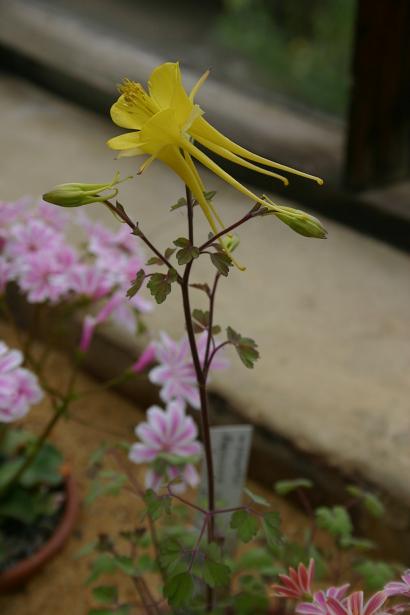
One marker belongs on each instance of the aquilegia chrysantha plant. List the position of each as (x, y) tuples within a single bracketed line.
[(166, 124)]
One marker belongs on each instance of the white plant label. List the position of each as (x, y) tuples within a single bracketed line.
[(230, 448)]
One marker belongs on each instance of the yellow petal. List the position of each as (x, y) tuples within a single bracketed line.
[(212, 166), (198, 85), (173, 158), (128, 153), (166, 90), (200, 182), (201, 129), (134, 107), (225, 153), (161, 130), (128, 140)]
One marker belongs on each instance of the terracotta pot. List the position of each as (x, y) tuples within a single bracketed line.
[(18, 575)]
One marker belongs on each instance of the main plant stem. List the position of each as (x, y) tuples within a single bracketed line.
[(200, 372)]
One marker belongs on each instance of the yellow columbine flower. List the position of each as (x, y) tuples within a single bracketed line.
[(166, 123)]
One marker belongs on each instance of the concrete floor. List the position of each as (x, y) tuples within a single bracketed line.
[(331, 317)]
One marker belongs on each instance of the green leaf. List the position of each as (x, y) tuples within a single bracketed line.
[(245, 524), (98, 454), (25, 505), (9, 468), (271, 527), (187, 252), (201, 320), (283, 487), (222, 262), (126, 565), (159, 284), (204, 287), (335, 520), (180, 203), (136, 283), (253, 559), (250, 603), (112, 486), (157, 505), (170, 552), (179, 589), (169, 252), (375, 574), (104, 564), (181, 242), (209, 195), (45, 469), (370, 501), (245, 347), (258, 499), (86, 550), (253, 599), (14, 440), (154, 260), (124, 609), (216, 574), (348, 542), (107, 594), (146, 564)]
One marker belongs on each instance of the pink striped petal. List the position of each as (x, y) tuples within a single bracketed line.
[(145, 359), (374, 603), (140, 453)]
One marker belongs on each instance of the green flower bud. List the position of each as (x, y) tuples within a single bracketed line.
[(301, 222), (76, 195)]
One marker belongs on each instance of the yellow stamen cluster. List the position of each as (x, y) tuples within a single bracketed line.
[(134, 95)]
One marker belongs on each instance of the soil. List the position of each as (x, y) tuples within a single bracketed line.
[(20, 540), (103, 417)]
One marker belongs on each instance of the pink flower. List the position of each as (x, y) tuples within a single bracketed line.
[(52, 215), (167, 431), (296, 584), (319, 605), (45, 276), (19, 388), (89, 281), (10, 211), (175, 372), (31, 237), (397, 588), (354, 604), (9, 359)]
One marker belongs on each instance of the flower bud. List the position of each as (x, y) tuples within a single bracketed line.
[(298, 220), (76, 194)]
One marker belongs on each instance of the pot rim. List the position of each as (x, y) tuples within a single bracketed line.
[(18, 574)]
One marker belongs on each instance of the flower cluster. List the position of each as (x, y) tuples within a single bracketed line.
[(297, 585), (168, 441), (36, 254), (19, 388)]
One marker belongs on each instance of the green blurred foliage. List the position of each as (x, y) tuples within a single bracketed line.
[(302, 49)]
